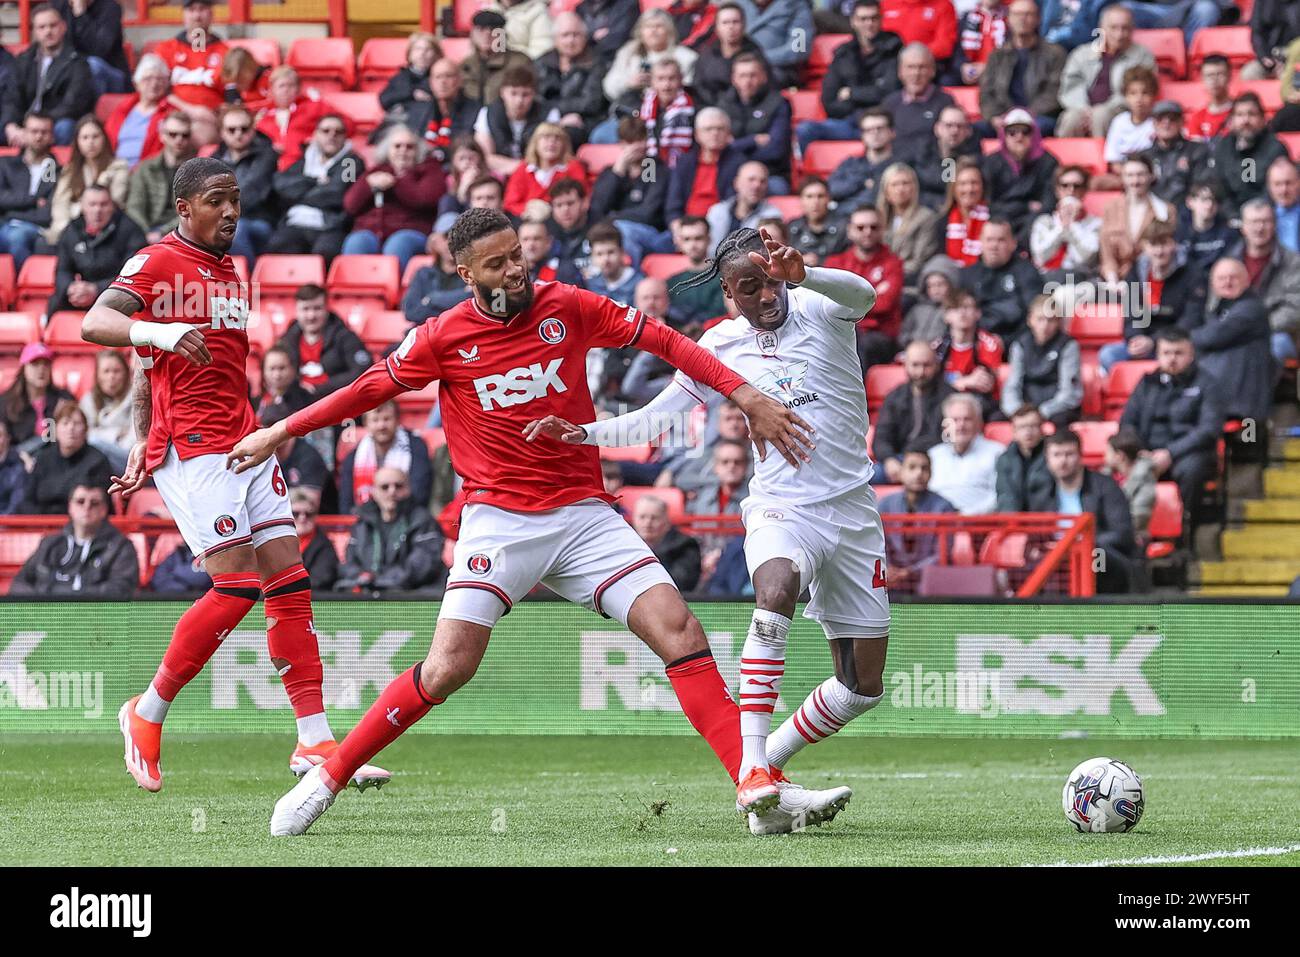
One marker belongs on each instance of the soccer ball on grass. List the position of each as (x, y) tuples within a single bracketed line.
[(1103, 796)]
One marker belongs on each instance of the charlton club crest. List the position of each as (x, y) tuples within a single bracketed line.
[(224, 525), (480, 564), (552, 331)]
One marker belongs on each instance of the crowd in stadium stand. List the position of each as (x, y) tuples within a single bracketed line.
[(1002, 172)]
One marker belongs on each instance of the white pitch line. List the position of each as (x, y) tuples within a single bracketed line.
[(1180, 858)]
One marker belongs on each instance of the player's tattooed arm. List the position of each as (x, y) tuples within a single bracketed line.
[(132, 478), (109, 323), (142, 403)]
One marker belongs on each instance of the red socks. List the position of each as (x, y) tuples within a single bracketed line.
[(400, 705), (709, 706), (291, 638), (198, 634)]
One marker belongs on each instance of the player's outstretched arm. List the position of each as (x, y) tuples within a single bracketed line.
[(132, 478), (851, 295), (375, 387), (108, 323), (632, 428)]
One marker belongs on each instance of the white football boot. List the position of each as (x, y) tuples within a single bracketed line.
[(799, 808), (299, 809)]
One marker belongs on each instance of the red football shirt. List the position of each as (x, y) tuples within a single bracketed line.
[(1206, 124), (200, 409), (196, 74), (310, 371)]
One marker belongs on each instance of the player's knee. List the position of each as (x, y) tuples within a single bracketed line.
[(778, 596)]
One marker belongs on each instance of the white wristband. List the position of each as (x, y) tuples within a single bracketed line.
[(160, 335)]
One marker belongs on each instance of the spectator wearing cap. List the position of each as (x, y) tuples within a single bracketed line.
[(59, 466), (27, 183), (1046, 368), (1067, 240), (87, 557), (856, 181), (1242, 152), (1174, 158), (395, 543), (95, 31), (609, 24), (195, 56), (908, 553), (772, 24), (1022, 469), (290, 118), (300, 464), (91, 251), (964, 464), (13, 474), (1019, 177), (1092, 82), (1024, 72), (392, 206), (1274, 274), (916, 106), (50, 78), (1002, 282), (569, 79), (149, 198), (911, 415), (713, 68), (483, 70), (312, 192), (386, 444), (505, 127), (28, 404)]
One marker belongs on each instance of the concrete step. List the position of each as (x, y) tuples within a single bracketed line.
[(1246, 573), (1282, 481), (1242, 591), (1271, 510), (1266, 541)]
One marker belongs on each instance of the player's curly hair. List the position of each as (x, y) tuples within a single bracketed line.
[(192, 174), (731, 251), (471, 226)]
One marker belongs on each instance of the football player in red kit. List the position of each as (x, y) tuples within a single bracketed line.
[(183, 306), (514, 352)]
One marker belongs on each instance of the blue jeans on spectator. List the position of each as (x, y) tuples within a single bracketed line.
[(107, 79), (18, 238), (403, 244), (605, 132), (1114, 352), (1283, 347), (63, 130), (639, 240), (1191, 15), (251, 236), (810, 130)]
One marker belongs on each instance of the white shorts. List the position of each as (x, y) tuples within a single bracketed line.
[(838, 547), (215, 509), (585, 552)]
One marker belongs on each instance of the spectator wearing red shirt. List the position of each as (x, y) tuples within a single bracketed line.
[(548, 159), (195, 56), (969, 356), (134, 126), (932, 22), (291, 117), (694, 22), (980, 32), (1209, 121), (963, 215), (392, 206), (870, 258), (705, 175)]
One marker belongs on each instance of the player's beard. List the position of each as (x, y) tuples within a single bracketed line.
[(513, 304)]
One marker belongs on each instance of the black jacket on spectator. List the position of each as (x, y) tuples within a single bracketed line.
[(13, 483), (894, 422), (768, 112), (713, 70), (255, 174), (571, 246), (1205, 248), (1232, 346), (420, 477), (342, 355), (915, 121), (96, 259), (1180, 413), (833, 238), (1004, 294), (922, 154), (400, 89), (616, 16), (53, 477), (636, 197), (431, 292), (68, 92), (1105, 501), (294, 399), (108, 568), (1182, 299), (1021, 480), (1273, 25), (1176, 166), (680, 555), (1010, 192), (682, 183), (402, 555), (578, 91), (17, 201), (1240, 173), (176, 575), (870, 77), (97, 32), (305, 468), (421, 114), (24, 425), (504, 140), (293, 188), (856, 181), (321, 562)]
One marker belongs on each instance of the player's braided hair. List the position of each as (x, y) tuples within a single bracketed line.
[(732, 250), (472, 225), (192, 174)]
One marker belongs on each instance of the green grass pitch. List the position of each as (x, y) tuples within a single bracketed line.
[(636, 801)]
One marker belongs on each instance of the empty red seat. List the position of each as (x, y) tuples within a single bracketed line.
[(1231, 42), (106, 104), (147, 501), (1093, 406), (805, 105), (280, 275), (365, 277), (63, 334), (167, 543), (1292, 143), (380, 58), (328, 63), (383, 329), (17, 329), (8, 280), (462, 13), (414, 265), (1095, 200), (1166, 526), (674, 498), (627, 453), (1268, 91), (819, 58), (36, 283), (17, 547), (881, 380), (76, 373), (1189, 94), (1119, 385), (598, 156), (264, 50), (999, 432), (1085, 151), (968, 98), (1096, 324), (455, 49), (361, 110), (664, 265), (1093, 438), (1168, 48), (789, 206), (823, 156)]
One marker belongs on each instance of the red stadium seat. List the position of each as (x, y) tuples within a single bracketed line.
[(17, 329), (1190, 94), (167, 543), (598, 156), (361, 110), (141, 545), (674, 498), (76, 373), (454, 49), (823, 156), (789, 206), (262, 332), (805, 105), (414, 265), (1092, 401), (8, 280), (1119, 385), (253, 370), (1169, 49), (327, 63), (147, 501), (1292, 143), (999, 432), (1095, 200), (1268, 91), (107, 103), (380, 58), (1093, 437), (968, 98), (882, 380), (1085, 151), (63, 334), (1232, 42), (265, 50), (413, 408), (16, 547), (434, 439), (819, 58), (462, 13), (36, 283), (1166, 526), (1095, 325), (280, 276), (989, 146), (383, 329), (340, 542), (664, 265), (1004, 549), (370, 277)]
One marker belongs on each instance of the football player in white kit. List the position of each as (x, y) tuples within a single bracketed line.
[(816, 527)]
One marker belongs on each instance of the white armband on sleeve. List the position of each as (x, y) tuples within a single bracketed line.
[(644, 425), (851, 295), (160, 335)]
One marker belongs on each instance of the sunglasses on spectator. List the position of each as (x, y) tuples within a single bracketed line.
[(1017, 131)]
